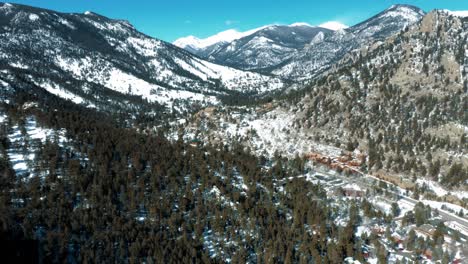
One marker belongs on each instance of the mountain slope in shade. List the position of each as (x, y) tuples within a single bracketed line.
[(55, 50)]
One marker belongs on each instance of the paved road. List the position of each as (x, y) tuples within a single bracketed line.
[(446, 216)]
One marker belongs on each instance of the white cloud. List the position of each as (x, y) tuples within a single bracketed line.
[(333, 25)]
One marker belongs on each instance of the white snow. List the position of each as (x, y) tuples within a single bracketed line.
[(230, 77), (222, 37), (456, 226), (333, 25), (3, 117), (439, 190), (383, 206), (146, 47), (21, 158), (267, 134), (434, 186), (463, 13), (300, 24), (352, 186), (442, 205), (33, 17), (73, 66), (318, 38), (18, 64), (117, 80), (65, 94), (361, 230), (66, 23), (402, 11)]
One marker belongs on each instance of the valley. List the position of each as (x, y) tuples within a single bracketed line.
[(281, 144)]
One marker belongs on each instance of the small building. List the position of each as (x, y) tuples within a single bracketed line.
[(427, 254), (400, 247), (379, 231), (353, 190), (195, 143), (426, 229), (365, 252)]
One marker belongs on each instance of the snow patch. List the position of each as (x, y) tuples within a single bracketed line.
[(445, 206), (300, 24), (333, 25), (222, 37), (33, 17), (402, 11), (463, 13), (56, 90)]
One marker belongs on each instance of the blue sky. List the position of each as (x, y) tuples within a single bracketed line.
[(171, 19)]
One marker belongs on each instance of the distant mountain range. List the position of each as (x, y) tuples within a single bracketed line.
[(299, 51), (94, 60), (402, 100), (86, 57)]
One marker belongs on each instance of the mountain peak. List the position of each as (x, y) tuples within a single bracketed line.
[(300, 24), (221, 37), (404, 9), (333, 25)]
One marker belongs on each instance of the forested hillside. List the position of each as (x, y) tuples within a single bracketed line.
[(402, 102), (104, 193)]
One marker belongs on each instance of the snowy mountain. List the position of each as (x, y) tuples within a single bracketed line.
[(266, 47), (321, 55), (204, 46), (84, 57), (402, 102), (300, 51)]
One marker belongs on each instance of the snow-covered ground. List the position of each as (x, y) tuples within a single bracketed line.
[(22, 150), (439, 190), (268, 133), (445, 206)]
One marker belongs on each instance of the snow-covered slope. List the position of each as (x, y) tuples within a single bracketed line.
[(95, 54), (266, 47), (321, 55), (333, 25), (300, 51), (463, 13), (394, 102), (200, 46)]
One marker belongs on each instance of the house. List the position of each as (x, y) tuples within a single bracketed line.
[(378, 230), (365, 252), (195, 143), (353, 190), (397, 239), (400, 247), (426, 229), (427, 253)]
